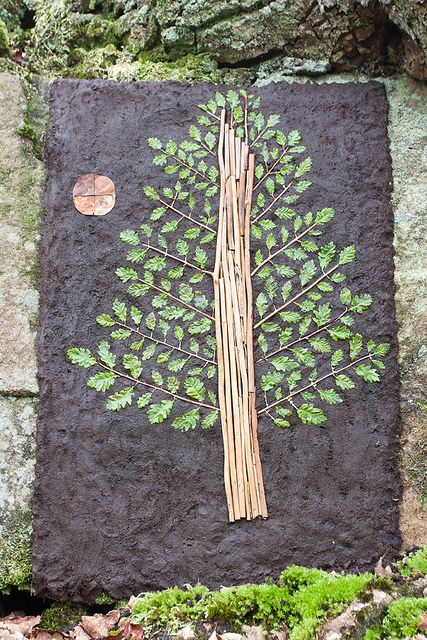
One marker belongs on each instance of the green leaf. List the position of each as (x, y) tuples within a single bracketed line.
[(136, 315), (120, 399), (361, 303), (271, 380), (194, 388), (326, 254), (81, 357), (324, 216), (126, 273), (322, 315), (320, 345), (209, 420), (104, 320), (345, 296), (157, 378), (356, 345), (367, 373), (283, 363), (129, 236), (309, 414), (304, 356), (177, 365), (340, 332), (307, 272), (336, 358), (148, 352), (200, 257), (187, 421), (344, 382), (121, 334), (329, 396), (144, 399), (382, 349), (157, 413), (150, 321), (151, 193), (133, 364), (200, 326), (261, 304), (154, 143), (105, 354), (262, 342), (347, 254)]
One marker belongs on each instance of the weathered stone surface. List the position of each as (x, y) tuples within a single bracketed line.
[(17, 451), (20, 180), (408, 138)]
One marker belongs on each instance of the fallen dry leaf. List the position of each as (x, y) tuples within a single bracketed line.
[(14, 623), (423, 624), (332, 629), (282, 633), (78, 633), (132, 631), (381, 571), (252, 633), (99, 625), (43, 634), (186, 633)]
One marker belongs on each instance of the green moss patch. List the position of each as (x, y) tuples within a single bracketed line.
[(302, 599), (401, 621), (413, 563)]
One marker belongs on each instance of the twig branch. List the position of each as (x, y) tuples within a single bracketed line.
[(273, 202), (188, 166), (166, 344), (335, 372), (302, 339), (170, 295), (295, 298), (286, 246), (184, 215), (152, 386), (271, 169), (170, 255)]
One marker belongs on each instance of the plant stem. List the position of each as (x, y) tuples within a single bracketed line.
[(273, 202), (271, 169), (295, 298), (286, 246), (315, 383), (184, 215), (303, 338), (170, 255), (152, 386), (170, 295), (166, 344)]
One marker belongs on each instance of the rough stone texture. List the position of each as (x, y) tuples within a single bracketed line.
[(20, 179), (164, 489), (408, 143), (17, 452), (76, 37)]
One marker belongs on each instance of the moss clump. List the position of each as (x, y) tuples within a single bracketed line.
[(4, 40), (413, 563), (60, 617), (401, 621), (302, 599), (104, 600), (15, 552)]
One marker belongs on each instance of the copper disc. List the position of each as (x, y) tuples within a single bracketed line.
[(94, 195)]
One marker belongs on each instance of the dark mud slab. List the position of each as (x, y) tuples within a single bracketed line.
[(122, 505)]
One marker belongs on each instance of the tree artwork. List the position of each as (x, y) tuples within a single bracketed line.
[(235, 308)]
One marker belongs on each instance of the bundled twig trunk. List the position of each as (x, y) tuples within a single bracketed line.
[(234, 329)]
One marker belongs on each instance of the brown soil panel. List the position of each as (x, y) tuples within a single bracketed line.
[(121, 505)]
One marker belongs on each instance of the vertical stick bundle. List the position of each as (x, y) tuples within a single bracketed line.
[(243, 477)]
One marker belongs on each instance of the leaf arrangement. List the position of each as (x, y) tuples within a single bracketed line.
[(229, 217)]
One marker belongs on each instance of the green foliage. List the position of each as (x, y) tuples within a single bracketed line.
[(305, 315), (59, 617), (302, 600), (413, 563), (401, 621)]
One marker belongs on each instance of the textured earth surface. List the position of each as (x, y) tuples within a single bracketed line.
[(20, 213)]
